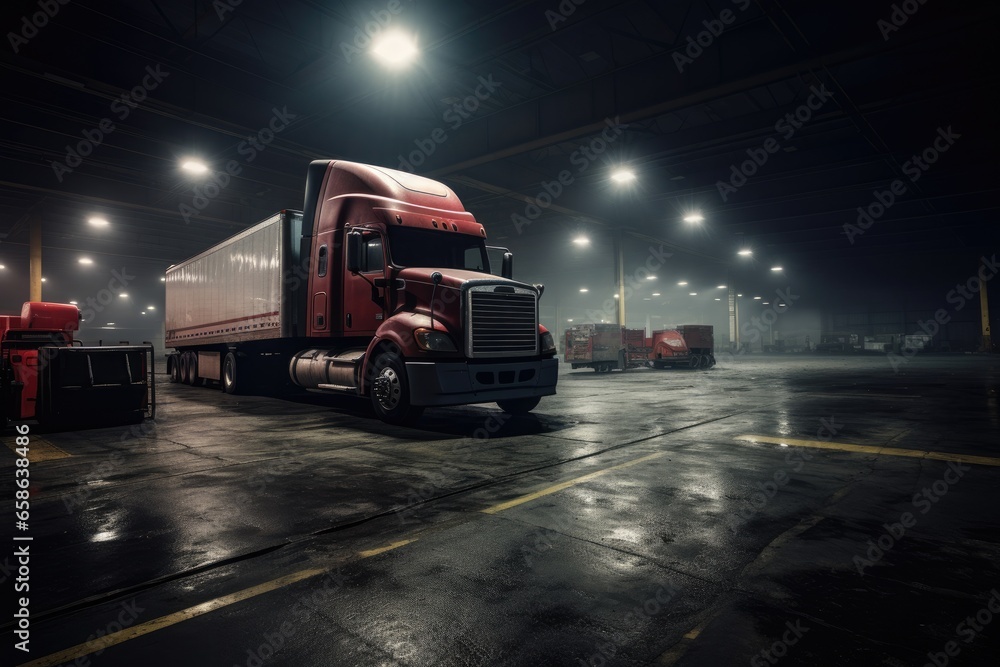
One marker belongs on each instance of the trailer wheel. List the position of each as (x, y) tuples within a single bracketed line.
[(695, 361), (196, 381), (174, 369), (229, 376), (519, 406), (390, 393), (706, 361), (185, 361)]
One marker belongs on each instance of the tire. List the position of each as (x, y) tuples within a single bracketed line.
[(195, 380), (230, 379), (175, 369), (695, 360), (185, 367), (519, 406), (390, 392)]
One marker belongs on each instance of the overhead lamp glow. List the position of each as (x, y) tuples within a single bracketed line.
[(150, 308), (623, 175), (718, 299), (581, 240), (123, 295), (776, 268), (44, 280), (721, 286), (694, 218), (692, 294), (584, 290), (682, 283), (739, 295), (616, 296), (163, 279), (73, 303), (745, 252), (85, 261), (2, 267), (394, 48), (98, 221), (756, 298), (143, 312), (656, 294), (192, 166), (650, 277), (570, 319)]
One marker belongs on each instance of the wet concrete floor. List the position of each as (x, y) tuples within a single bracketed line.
[(782, 510)]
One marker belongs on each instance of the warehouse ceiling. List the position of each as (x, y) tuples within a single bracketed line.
[(775, 120)]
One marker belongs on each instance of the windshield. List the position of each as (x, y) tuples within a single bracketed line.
[(411, 246)]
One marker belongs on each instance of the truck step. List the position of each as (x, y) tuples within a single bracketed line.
[(336, 387)]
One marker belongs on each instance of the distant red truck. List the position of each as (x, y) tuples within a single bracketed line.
[(606, 347)]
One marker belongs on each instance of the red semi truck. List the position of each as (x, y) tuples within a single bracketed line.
[(45, 377), (380, 287)]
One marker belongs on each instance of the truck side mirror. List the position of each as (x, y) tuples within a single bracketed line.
[(507, 268), (355, 245)]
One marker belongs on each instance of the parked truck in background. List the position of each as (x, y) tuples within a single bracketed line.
[(380, 287), (45, 376), (605, 347)]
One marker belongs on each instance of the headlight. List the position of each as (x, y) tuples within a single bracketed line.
[(548, 343), (434, 341)]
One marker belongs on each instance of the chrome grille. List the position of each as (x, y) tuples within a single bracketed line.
[(503, 321)]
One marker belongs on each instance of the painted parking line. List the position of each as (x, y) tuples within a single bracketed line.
[(874, 449), (81, 650), (565, 485), (104, 642), (39, 450)]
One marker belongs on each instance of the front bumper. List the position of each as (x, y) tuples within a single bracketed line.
[(461, 383)]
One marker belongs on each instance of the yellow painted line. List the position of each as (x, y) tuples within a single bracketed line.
[(565, 485), (389, 547), (114, 638), (39, 449), (873, 449)]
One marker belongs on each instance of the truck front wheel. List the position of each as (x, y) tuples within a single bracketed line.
[(390, 392), (519, 406)]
